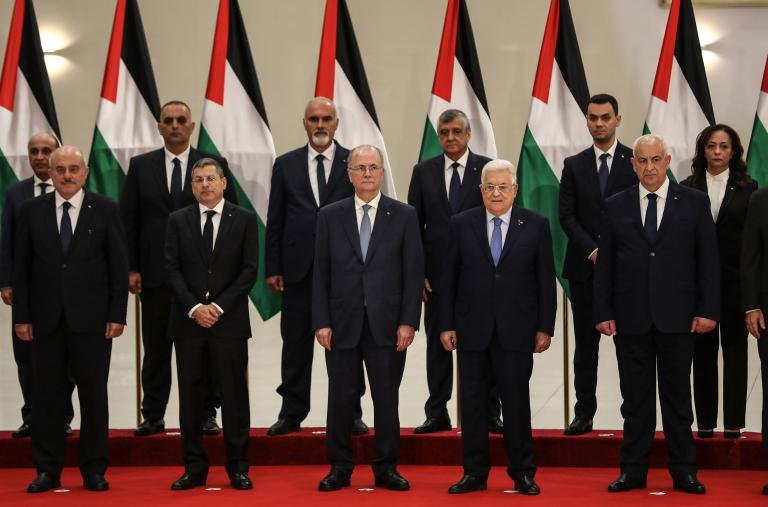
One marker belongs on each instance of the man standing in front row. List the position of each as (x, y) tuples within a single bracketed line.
[(211, 259), (70, 283), (498, 308), (657, 282), (366, 304)]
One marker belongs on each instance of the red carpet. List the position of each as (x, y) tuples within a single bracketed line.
[(296, 485)]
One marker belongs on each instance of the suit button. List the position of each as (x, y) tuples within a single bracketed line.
[(63, 266), (653, 254)]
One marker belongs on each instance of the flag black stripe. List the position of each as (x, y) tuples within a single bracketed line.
[(241, 60), (688, 56), (568, 57), (135, 55), (466, 54)]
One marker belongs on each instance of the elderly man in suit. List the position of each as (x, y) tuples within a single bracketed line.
[(588, 179), (657, 284), (211, 258), (366, 305), (39, 149), (303, 181), (158, 183), (440, 188), (70, 282), (498, 308)]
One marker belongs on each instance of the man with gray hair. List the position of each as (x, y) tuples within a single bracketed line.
[(498, 308), (657, 283)]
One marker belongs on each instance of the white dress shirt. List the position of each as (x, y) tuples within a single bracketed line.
[(716, 189), (504, 225), (216, 220), (661, 200), (312, 154), (39, 191), (183, 158), (449, 170), (371, 212), (74, 211), (610, 153)]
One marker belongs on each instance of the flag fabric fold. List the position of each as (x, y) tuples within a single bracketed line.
[(757, 156)]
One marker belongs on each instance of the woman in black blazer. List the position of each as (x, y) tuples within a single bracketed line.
[(719, 170)]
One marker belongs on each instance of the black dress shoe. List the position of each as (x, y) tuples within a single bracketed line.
[(148, 427), (43, 482), (689, 484), (23, 431), (392, 480), (468, 484), (95, 482), (579, 426), (240, 480), (211, 427), (433, 425), (359, 427), (187, 481), (283, 427), (625, 483), (705, 433), (334, 481), (731, 434), (527, 486), (68, 430), (495, 426)]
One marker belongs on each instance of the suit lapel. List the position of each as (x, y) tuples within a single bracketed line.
[(159, 173), (670, 211), (28, 190), (338, 171), (193, 221), (730, 190), (50, 221), (84, 220), (380, 226), (590, 165), (471, 180), (633, 204), (481, 230), (438, 173), (620, 161), (349, 221), (515, 228), (225, 224), (194, 156), (303, 177)]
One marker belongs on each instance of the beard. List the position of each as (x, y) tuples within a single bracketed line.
[(321, 139)]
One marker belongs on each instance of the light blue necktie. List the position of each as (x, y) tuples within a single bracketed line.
[(365, 230), (496, 241)]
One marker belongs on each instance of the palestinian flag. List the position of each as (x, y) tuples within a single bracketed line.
[(234, 125), (757, 156), (26, 102), (458, 84), (341, 78), (129, 108), (680, 105), (556, 125)]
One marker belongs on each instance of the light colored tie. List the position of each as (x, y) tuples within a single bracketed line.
[(365, 230), (496, 241)]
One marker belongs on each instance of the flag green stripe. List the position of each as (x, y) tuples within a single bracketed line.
[(430, 144), (7, 178), (106, 176), (757, 156)]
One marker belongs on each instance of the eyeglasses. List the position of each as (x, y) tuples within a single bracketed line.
[(490, 188), (200, 179), (362, 169)]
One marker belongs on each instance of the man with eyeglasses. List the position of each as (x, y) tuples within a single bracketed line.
[(440, 188), (368, 275), (498, 309), (211, 260), (157, 184)]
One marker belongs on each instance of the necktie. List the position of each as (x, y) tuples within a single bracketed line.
[(176, 183), (650, 218), (208, 232), (65, 230), (454, 188), (602, 172), (496, 241), (321, 184), (43, 187), (365, 230)]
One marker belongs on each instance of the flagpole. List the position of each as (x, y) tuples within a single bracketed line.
[(566, 372), (137, 313)]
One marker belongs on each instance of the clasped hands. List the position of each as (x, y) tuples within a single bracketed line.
[(206, 315)]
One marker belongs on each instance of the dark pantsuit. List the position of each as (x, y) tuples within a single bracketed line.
[(641, 356), (88, 357), (586, 352)]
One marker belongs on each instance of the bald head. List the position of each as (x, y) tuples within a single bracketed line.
[(320, 122), (39, 149)]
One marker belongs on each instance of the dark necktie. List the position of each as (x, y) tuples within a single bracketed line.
[(496, 241), (365, 230), (321, 184), (43, 187), (602, 172), (454, 188), (650, 218), (208, 232), (65, 230), (176, 183)]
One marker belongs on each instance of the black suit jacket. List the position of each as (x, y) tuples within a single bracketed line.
[(730, 222), (88, 285), (427, 194), (227, 277), (581, 205), (754, 254), (665, 284), (145, 205), (15, 196), (515, 299), (292, 214), (386, 285)]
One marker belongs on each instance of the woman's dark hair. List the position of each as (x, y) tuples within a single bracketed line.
[(737, 165)]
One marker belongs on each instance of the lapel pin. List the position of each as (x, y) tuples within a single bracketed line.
[(89, 206), (388, 213), (675, 198), (520, 221)]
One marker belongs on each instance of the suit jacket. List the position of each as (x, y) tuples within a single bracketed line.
[(581, 205), (664, 284), (427, 194), (754, 254), (88, 285), (225, 278), (292, 214), (15, 196), (730, 222), (145, 205), (386, 285), (515, 299)]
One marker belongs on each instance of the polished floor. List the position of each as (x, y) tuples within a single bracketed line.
[(546, 386)]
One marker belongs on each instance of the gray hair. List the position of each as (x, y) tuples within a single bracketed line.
[(70, 149), (207, 162), (363, 147), (500, 165), (648, 139), (449, 115)]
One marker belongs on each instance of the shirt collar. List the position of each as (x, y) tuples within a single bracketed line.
[(329, 152), (462, 160), (610, 151), (723, 176), (661, 191), (76, 200), (374, 202), (183, 156), (506, 217), (219, 208), (37, 180)]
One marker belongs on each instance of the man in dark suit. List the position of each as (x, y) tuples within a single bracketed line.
[(211, 258), (368, 275), (157, 184), (498, 308), (588, 179), (303, 181), (441, 187), (657, 283), (70, 296), (39, 149)]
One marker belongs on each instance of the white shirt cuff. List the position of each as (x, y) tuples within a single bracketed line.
[(192, 311)]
